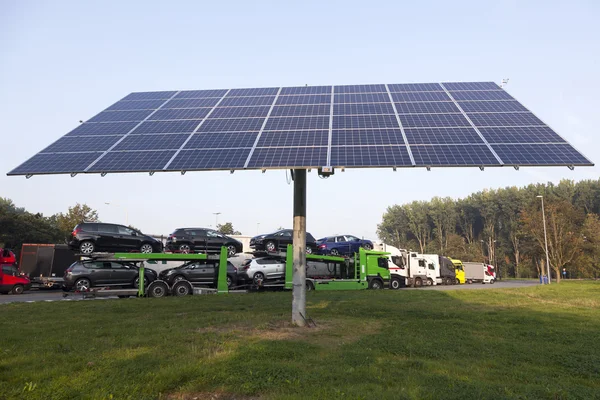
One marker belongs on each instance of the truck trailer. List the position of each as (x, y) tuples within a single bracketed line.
[(45, 264)]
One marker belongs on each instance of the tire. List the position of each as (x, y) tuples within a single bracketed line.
[(136, 282), (308, 250), (334, 252), (158, 289), (182, 288), (492, 281), (231, 250), (418, 282), (146, 248), (469, 281), (229, 282), (185, 248), (310, 286), (18, 289), (87, 247), (447, 281), (178, 278), (367, 246), (456, 282), (376, 284), (271, 246), (395, 284), (258, 278), (429, 282), (82, 284)]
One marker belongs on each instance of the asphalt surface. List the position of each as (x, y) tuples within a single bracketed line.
[(57, 295)]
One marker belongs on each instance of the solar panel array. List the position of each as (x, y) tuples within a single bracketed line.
[(383, 125)]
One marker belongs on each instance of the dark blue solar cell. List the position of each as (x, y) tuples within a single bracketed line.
[(84, 143), (453, 155), (491, 106), (105, 128), (505, 119), (369, 156), (482, 95), (297, 123), (200, 94), (293, 138), (344, 89), (415, 87), (307, 99), (433, 120), (167, 126), (471, 85), (247, 101), (232, 125), (296, 111), (152, 142), (180, 113), (364, 121), (365, 137), (239, 112), (56, 163), (189, 160), (515, 134), (136, 105), (442, 136), (305, 90), (436, 107), (221, 140), (362, 98), (121, 116), (132, 161), (253, 92), (149, 96), (363, 108), (539, 154), (402, 97), (288, 157), (191, 103)]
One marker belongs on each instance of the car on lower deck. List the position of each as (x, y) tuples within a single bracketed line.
[(344, 245), (202, 240), (91, 237), (83, 275), (200, 273), (259, 270), (278, 242)]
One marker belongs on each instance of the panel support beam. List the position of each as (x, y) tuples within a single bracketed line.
[(299, 249)]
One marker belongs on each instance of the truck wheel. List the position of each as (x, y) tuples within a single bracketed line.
[(457, 282), (469, 281), (418, 282), (492, 281), (376, 284), (158, 289), (395, 284), (18, 289), (310, 286), (429, 282), (182, 288)]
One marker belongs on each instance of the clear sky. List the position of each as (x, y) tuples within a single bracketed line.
[(64, 61)]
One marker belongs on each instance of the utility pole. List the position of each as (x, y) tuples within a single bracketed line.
[(299, 249), (545, 239)]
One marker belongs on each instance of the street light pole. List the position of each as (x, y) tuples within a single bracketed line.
[(216, 219), (545, 239), (257, 226)]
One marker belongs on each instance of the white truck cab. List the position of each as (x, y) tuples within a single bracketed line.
[(408, 268)]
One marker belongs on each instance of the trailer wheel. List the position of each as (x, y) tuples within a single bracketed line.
[(418, 282), (158, 289), (376, 284), (18, 289), (182, 288), (310, 286), (395, 283)]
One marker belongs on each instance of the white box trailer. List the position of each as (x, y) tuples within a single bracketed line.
[(479, 272)]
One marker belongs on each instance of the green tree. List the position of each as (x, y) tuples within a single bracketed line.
[(227, 229), (76, 214)]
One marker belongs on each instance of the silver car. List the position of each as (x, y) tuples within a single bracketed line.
[(259, 270)]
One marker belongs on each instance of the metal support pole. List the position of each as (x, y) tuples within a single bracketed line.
[(299, 249), (546, 241)]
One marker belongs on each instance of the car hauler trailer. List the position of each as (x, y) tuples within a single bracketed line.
[(479, 272), (45, 264)]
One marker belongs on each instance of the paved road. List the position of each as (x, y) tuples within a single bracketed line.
[(46, 295)]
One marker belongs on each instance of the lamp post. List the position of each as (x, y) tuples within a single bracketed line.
[(257, 226), (118, 206), (545, 238), (216, 219)]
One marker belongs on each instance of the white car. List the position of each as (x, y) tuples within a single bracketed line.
[(259, 270)]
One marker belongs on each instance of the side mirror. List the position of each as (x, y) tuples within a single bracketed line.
[(134, 233)]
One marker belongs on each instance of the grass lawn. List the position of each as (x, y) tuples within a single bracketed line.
[(541, 342)]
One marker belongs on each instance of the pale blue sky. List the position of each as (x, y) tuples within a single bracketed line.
[(63, 61)]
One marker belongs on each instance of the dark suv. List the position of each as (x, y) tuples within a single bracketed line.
[(82, 275), (202, 240), (278, 241), (203, 273), (89, 237)]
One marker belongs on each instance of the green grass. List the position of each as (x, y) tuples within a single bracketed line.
[(541, 342)]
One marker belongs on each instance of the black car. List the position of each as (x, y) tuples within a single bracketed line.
[(201, 273), (202, 240), (278, 241), (89, 237), (82, 275)]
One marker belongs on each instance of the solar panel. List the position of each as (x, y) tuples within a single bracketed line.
[(374, 125)]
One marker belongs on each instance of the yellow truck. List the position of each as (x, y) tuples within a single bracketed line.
[(459, 270)]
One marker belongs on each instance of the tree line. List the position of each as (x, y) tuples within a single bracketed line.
[(505, 227)]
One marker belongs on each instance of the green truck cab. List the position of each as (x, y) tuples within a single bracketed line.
[(367, 270)]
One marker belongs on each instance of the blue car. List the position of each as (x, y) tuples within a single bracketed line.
[(344, 245)]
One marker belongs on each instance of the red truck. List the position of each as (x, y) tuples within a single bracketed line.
[(11, 280)]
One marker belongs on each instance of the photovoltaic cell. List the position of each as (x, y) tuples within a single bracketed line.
[(437, 107), (471, 86), (365, 121), (529, 134), (135, 105), (247, 101), (360, 89), (152, 142), (288, 157), (442, 136), (121, 116), (433, 120), (240, 112), (181, 113), (362, 98), (369, 156), (295, 111), (363, 109), (189, 160), (540, 154), (453, 155), (306, 99), (297, 123), (491, 106), (505, 119), (402, 97), (200, 94), (253, 92), (221, 140), (232, 125), (416, 87), (108, 128), (71, 144), (56, 163), (191, 103), (132, 161), (293, 138), (180, 126), (305, 90), (481, 95), (366, 137)]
